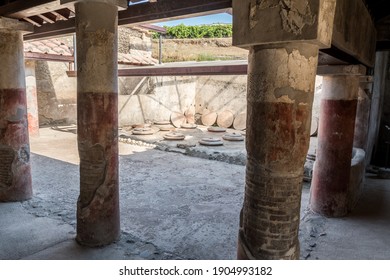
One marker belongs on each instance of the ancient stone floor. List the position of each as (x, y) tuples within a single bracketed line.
[(172, 207)]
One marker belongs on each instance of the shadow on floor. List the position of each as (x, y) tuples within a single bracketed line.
[(178, 207)]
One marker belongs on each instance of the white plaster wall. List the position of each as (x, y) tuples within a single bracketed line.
[(56, 93), (220, 93), (143, 99), (62, 84), (156, 98)]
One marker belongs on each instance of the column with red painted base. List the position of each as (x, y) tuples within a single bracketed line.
[(98, 221), (330, 183), (282, 66), (15, 171)]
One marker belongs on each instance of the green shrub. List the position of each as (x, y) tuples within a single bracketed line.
[(197, 31)]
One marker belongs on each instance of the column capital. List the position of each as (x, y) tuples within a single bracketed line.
[(279, 22), (341, 70), (15, 25), (121, 4)]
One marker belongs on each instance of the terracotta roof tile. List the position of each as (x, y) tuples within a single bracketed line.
[(141, 59), (57, 47), (50, 46)]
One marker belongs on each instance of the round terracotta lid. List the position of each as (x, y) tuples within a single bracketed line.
[(208, 117), (166, 127), (216, 129), (178, 119), (190, 115), (143, 131), (240, 122), (188, 126), (164, 122), (174, 136), (211, 141), (225, 119), (233, 137)]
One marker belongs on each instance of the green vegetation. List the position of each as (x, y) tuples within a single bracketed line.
[(197, 31), (210, 57), (194, 57)]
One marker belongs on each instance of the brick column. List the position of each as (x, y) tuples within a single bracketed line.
[(330, 183), (32, 99), (15, 171), (97, 121), (281, 75)]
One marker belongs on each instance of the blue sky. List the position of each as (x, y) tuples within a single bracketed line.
[(210, 19)]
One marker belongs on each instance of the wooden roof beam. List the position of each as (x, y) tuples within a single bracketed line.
[(58, 15), (23, 9), (59, 28), (65, 13), (21, 5), (35, 20), (48, 57), (48, 17)]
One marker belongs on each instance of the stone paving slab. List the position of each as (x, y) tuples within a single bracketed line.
[(128, 248), (23, 234)]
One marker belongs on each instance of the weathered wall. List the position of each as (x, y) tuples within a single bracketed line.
[(140, 99), (154, 98), (144, 99), (133, 39), (56, 93), (219, 93)]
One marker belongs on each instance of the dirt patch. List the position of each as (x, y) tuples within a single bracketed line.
[(199, 50)]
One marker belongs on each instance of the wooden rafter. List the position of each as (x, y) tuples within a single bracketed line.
[(31, 21), (72, 10), (46, 17), (48, 57), (35, 20), (65, 13), (18, 6), (58, 15)]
